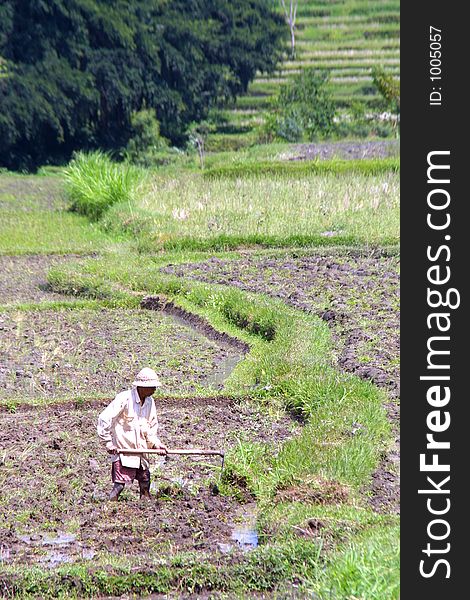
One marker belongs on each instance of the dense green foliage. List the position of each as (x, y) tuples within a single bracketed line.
[(388, 87), (78, 69), (304, 108), (146, 145)]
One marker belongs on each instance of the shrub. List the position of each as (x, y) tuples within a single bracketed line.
[(388, 87), (93, 183), (146, 145), (304, 109), (358, 123)]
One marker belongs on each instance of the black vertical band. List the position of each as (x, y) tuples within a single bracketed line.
[(435, 429)]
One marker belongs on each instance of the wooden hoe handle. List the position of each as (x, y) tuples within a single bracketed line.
[(181, 451)]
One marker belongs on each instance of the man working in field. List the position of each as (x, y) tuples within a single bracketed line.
[(129, 422)]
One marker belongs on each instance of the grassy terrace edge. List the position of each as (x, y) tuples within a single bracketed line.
[(372, 166), (290, 366)]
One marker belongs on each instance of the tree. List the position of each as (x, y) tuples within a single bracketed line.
[(389, 89), (146, 144), (291, 17), (79, 69), (304, 108)]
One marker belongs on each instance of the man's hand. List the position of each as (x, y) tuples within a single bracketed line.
[(163, 449), (111, 448)]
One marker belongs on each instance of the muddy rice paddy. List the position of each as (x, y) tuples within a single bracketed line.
[(55, 478), (354, 150), (62, 353), (357, 294)]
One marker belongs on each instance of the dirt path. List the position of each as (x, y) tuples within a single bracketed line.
[(54, 477), (346, 150)]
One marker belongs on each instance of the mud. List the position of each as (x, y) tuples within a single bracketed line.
[(60, 353), (55, 478), (346, 150), (24, 278)]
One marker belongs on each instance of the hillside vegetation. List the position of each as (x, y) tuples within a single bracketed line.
[(346, 38)]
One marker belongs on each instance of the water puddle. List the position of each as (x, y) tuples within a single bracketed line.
[(223, 371), (245, 537), (244, 532), (44, 539)]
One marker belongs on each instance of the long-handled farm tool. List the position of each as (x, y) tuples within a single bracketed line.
[(178, 451)]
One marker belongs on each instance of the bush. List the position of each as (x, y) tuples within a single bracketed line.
[(93, 183), (304, 108), (388, 87), (358, 123), (229, 142), (146, 145)]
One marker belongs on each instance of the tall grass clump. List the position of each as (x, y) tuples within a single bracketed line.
[(94, 183)]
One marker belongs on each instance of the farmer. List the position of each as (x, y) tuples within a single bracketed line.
[(130, 421)]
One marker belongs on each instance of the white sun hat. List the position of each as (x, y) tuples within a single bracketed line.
[(147, 378)]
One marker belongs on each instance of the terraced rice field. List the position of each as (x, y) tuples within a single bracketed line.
[(344, 37), (304, 408)]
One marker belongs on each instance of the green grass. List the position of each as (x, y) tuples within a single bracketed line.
[(366, 568), (187, 211), (49, 232), (377, 166), (33, 219)]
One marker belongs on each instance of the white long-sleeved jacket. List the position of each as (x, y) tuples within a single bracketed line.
[(129, 423)]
